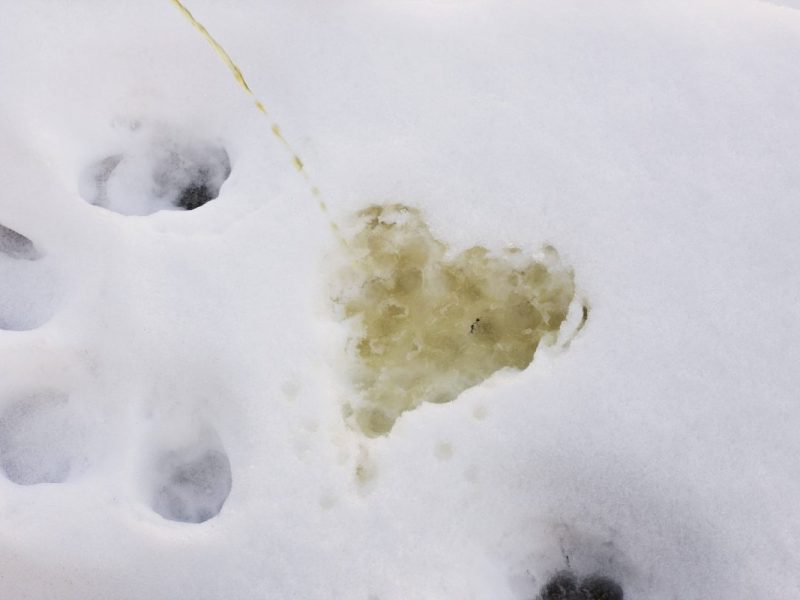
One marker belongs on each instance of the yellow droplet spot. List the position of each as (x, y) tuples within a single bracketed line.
[(480, 413), (443, 451)]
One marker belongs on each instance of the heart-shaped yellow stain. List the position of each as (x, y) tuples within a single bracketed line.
[(428, 326)]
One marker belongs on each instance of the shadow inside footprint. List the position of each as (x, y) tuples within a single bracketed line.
[(195, 196), (562, 586), (29, 287), (192, 485), (16, 245), (565, 586), (191, 176), (156, 170), (37, 439), (597, 587)]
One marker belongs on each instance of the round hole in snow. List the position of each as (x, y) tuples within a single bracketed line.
[(38, 439), (192, 484), (30, 286), (155, 171)]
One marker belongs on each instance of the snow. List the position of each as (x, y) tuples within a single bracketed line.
[(144, 347)]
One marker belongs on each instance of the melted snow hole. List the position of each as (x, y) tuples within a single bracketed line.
[(428, 326)]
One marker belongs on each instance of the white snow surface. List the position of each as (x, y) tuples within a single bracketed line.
[(654, 144)]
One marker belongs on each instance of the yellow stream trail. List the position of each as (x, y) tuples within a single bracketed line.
[(295, 158), (274, 127)]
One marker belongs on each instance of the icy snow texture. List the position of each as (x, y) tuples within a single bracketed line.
[(654, 144)]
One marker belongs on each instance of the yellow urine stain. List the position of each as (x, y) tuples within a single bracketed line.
[(366, 472), (426, 326)]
